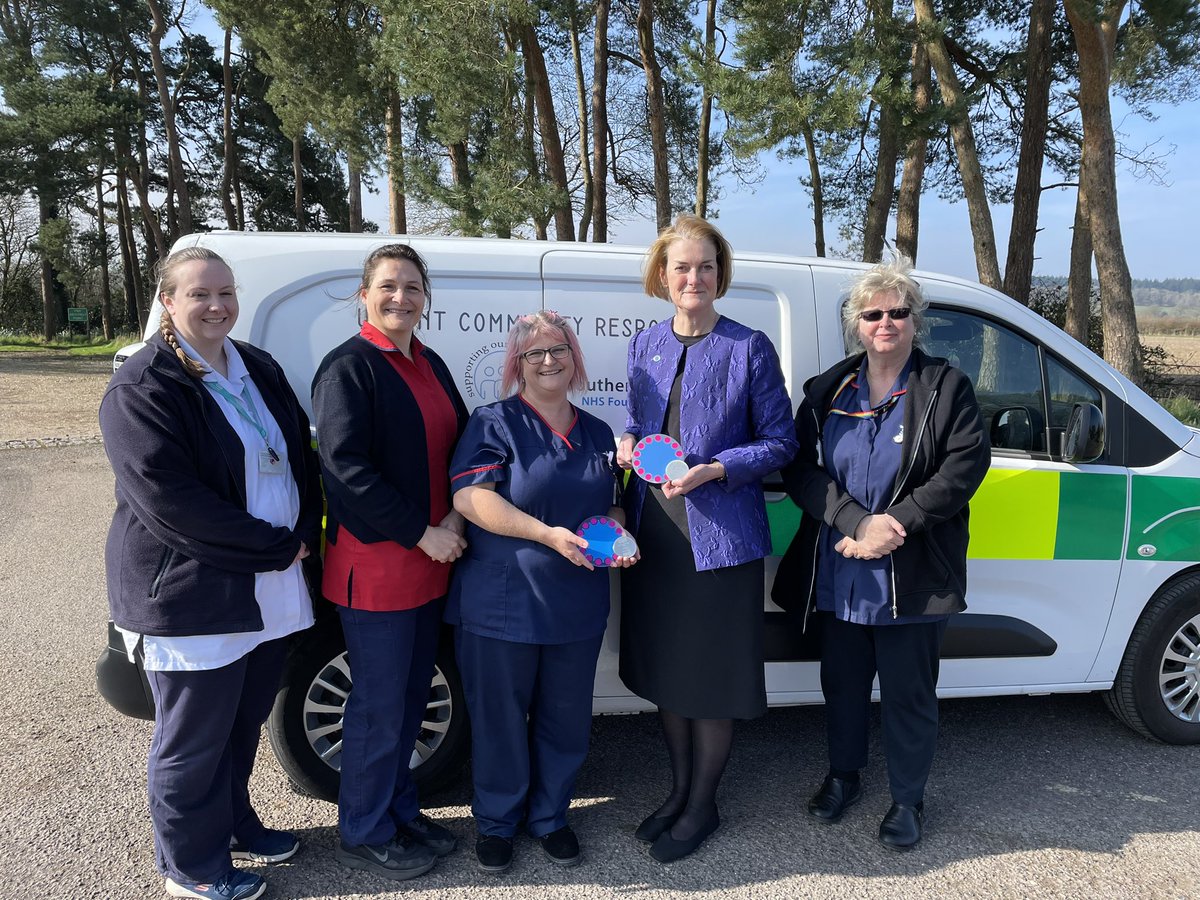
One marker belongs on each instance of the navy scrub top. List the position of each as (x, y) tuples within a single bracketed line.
[(862, 451), (515, 589)]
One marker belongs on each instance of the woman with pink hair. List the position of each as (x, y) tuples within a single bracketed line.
[(529, 606)]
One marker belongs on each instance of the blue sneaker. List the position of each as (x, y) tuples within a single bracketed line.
[(269, 847), (233, 885)]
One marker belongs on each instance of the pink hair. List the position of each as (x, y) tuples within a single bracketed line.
[(523, 333)]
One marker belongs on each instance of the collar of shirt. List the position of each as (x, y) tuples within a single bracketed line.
[(377, 338), (238, 373)]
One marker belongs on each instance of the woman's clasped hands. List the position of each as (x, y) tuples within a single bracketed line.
[(876, 536)]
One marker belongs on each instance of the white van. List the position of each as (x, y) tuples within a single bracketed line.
[(1085, 536)]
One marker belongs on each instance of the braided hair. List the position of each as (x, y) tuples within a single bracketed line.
[(168, 281)]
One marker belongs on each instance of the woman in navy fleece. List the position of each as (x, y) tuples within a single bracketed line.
[(218, 500)]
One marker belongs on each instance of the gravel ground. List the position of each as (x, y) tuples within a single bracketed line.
[(1045, 796), (49, 399)]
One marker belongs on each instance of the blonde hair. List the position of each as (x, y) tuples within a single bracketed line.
[(168, 282), (883, 278), (686, 227), (522, 335)]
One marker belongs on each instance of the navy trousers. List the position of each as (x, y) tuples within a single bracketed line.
[(206, 730), (392, 656), (907, 659), (531, 721)]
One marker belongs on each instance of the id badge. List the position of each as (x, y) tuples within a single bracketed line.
[(269, 463)]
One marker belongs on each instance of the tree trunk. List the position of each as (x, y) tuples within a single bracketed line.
[(656, 113), (556, 168), (987, 263), (1018, 268), (298, 179), (178, 181), (541, 218), (460, 174), (139, 176), (231, 219), (879, 206), (581, 100), (818, 189), (102, 238), (702, 151), (1079, 285), (128, 247), (1095, 41), (48, 277), (355, 197), (397, 214), (600, 124), (912, 180)]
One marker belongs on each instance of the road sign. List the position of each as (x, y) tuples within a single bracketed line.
[(77, 314)]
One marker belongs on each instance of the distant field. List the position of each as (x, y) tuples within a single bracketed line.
[(1184, 350)]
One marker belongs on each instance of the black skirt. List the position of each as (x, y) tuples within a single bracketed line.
[(691, 642)]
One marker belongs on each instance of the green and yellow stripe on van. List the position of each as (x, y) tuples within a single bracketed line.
[(1031, 514)]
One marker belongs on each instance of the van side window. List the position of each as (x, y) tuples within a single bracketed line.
[(1006, 370), (1066, 389)]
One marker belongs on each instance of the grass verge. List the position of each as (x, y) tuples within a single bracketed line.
[(1185, 409), (75, 345)]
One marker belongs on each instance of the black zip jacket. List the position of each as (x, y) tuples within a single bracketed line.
[(371, 441), (944, 458), (182, 550)]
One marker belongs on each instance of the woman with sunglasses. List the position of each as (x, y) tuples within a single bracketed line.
[(529, 607), (891, 449)]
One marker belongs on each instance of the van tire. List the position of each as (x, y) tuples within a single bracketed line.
[(1171, 620), (317, 676)]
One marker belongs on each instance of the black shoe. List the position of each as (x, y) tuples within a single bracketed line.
[(667, 849), (561, 847), (494, 852), (901, 827), (399, 858), (652, 826), (428, 833), (833, 799)]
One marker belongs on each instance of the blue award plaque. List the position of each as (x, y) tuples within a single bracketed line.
[(607, 539), (658, 458)]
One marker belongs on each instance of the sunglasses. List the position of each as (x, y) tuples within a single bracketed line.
[(538, 356), (876, 315)]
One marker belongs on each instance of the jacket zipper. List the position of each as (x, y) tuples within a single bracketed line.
[(900, 485), (812, 578)]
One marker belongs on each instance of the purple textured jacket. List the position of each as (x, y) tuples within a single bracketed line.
[(733, 408)]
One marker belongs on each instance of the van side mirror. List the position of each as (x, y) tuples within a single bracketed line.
[(1012, 429), (1084, 437)]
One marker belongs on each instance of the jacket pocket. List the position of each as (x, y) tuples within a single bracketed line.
[(164, 563)]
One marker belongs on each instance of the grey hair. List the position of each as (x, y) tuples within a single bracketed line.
[(885, 277)]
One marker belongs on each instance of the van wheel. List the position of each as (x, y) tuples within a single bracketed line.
[(305, 725), (1157, 688)]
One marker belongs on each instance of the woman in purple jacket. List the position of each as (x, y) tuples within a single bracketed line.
[(692, 611)]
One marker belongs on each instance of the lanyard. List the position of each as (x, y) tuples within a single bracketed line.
[(863, 414), (244, 406)]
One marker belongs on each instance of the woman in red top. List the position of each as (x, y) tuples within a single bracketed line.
[(388, 416)]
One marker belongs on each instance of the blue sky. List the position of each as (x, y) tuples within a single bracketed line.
[(1158, 223), (1157, 220)]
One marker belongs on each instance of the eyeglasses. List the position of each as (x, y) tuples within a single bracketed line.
[(876, 315), (537, 356)]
